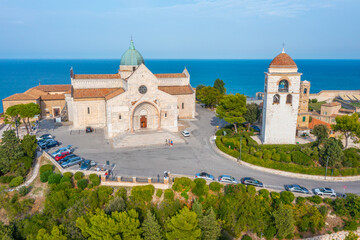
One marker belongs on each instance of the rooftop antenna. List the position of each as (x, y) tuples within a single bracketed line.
[(283, 50)]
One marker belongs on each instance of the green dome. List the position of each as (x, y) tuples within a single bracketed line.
[(131, 57)]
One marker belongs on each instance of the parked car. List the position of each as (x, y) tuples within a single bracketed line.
[(87, 164), (89, 129), (185, 133), (72, 162), (205, 176), (50, 143), (256, 128), (62, 155), (227, 179), (251, 181), (67, 158), (325, 192), (45, 136), (68, 148), (296, 188)]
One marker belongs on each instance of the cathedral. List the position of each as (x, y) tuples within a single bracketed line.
[(285, 109)]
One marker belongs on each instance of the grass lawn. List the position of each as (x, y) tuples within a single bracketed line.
[(316, 106)]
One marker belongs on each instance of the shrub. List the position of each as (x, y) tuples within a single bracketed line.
[(6, 179), (104, 193), (287, 197), (143, 193), (246, 237), (251, 189), (68, 174), (350, 225), (185, 195), (301, 158), (65, 179), (24, 190), (95, 179), (54, 178), (275, 195), (323, 210), (122, 192), (215, 186), (200, 187), (315, 199), (169, 194), (336, 229), (78, 176), (16, 181), (182, 184), (276, 157), (258, 154), (300, 200), (45, 175), (159, 193), (327, 200), (284, 157), (264, 192), (46, 167), (252, 150), (82, 183), (267, 154)]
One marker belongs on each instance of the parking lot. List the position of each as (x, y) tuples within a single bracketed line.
[(193, 156)]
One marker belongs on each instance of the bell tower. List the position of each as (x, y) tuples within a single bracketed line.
[(281, 101)]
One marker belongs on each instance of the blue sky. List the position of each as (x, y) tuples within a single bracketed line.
[(200, 29)]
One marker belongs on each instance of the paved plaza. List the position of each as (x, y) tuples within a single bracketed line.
[(195, 154)]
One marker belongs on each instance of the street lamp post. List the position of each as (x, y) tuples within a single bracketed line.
[(327, 162)]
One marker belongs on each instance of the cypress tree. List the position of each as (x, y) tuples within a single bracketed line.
[(209, 226), (151, 228)]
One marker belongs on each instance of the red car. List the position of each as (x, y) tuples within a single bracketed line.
[(62, 155)]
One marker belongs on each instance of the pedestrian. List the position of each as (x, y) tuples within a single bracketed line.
[(166, 142), (172, 143)]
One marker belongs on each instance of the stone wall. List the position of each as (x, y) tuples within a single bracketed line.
[(90, 112), (174, 81), (329, 95), (186, 106), (334, 236), (47, 106), (7, 104), (97, 83)]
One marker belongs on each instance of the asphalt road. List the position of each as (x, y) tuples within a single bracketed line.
[(195, 156)]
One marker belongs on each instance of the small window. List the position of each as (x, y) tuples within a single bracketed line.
[(283, 86), (276, 99), (289, 99), (305, 90), (304, 119), (165, 114), (182, 105), (120, 116), (88, 110)]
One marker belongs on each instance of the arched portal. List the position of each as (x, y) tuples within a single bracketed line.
[(145, 116)]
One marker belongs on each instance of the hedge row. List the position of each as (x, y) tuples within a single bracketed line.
[(289, 167)]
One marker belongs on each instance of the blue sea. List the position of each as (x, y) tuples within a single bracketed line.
[(240, 76)]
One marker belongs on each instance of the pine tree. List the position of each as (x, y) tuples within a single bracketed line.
[(209, 226), (197, 208), (151, 228), (284, 221), (220, 85), (183, 225)]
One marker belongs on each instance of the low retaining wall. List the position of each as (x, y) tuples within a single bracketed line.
[(284, 173), (334, 236)]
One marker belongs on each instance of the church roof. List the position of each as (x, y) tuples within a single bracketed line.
[(96, 76), (54, 88), (177, 90), (315, 122), (106, 93), (41, 91), (20, 97), (282, 61), (131, 57), (170, 75)]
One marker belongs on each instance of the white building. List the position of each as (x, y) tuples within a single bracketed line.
[(281, 101), (131, 100)]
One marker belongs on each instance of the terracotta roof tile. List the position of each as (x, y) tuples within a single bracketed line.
[(53, 97), (114, 94), (170, 75), (20, 96), (54, 88), (93, 92), (282, 61), (346, 110), (177, 90), (332, 104), (96, 76), (35, 92), (315, 122)]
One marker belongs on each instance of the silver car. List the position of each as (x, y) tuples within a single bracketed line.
[(325, 192), (185, 133), (72, 162), (227, 179)]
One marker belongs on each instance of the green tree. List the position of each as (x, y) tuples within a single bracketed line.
[(57, 233), (12, 116), (232, 109), (151, 228), (284, 221), (28, 111), (220, 85), (332, 149), (128, 224), (210, 228), (209, 96), (321, 132), (28, 144), (198, 88), (183, 225), (6, 232), (252, 113), (351, 236), (349, 126), (10, 150)]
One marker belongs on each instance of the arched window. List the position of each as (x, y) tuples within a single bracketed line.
[(283, 86), (289, 99), (305, 90), (276, 99)]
